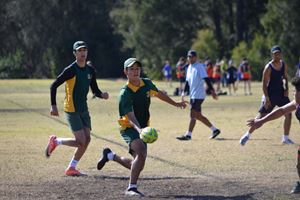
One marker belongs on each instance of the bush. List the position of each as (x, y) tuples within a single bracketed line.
[(12, 66)]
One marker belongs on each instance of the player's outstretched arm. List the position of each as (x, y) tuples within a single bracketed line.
[(164, 97), (288, 108)]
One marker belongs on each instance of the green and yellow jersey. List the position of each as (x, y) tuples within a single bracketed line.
[(78, 80), (137, 100)]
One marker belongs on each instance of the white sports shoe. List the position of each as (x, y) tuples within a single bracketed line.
[(287, 141)]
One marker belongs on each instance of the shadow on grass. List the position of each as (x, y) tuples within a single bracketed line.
[(143, 178), (236, 139), (206, 197)]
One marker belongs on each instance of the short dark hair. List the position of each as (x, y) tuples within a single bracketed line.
[(296, 83)]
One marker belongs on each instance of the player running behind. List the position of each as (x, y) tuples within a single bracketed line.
[(134, 103), (196, 75), (275, 89), (78, 78), (284, 110)]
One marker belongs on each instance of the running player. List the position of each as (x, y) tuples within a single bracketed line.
[(275, 89), (78, 78), (134, 103)]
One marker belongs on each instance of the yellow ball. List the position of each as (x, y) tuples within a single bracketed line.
[(149, 135)]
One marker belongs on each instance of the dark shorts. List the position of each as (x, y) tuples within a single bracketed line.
[(169, 76), (275, 101), (129, 135), (231, 80), (182, 80), (216, 80), (78, 120), (196, 104)]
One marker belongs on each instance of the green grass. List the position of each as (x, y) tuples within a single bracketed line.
[(25, 125)]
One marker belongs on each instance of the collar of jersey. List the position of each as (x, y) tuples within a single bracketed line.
[(135, 88)]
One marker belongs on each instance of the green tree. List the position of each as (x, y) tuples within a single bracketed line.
[(206, 45), (157, 30), (281, 23)]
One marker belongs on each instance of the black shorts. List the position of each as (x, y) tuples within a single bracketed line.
[(275, 101), (231, 80), (196, 104), (182, 80)]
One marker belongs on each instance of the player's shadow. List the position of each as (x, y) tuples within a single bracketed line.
[(143, 178), (237, 139), (207, 197)]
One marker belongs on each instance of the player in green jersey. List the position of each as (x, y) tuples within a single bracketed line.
[(134, 103), (78, 77)]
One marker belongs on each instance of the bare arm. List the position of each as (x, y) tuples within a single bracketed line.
[(134, 122), (286, 84), (266, 80), (162, 96), (288, 108)]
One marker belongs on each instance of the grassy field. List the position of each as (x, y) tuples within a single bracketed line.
[(196, 169)]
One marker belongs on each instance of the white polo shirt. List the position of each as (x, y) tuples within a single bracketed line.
[(195, 77)]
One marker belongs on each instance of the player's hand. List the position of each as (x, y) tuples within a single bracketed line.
[(54, 111), (254, 123), (214, 95), (105, 95), (181, 104)]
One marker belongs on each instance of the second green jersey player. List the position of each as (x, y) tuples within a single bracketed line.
[(134, 103)]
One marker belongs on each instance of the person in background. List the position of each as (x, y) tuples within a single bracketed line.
[(223, 68), (167, 72), (245, 70), (195, 78), (217, 77), (180, 72), (231, 77)]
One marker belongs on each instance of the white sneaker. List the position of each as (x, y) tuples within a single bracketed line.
[(287, 141)]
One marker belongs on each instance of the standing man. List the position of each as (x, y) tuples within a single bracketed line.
[(275, 89), (78, 77), (134, 103), (195, 77)]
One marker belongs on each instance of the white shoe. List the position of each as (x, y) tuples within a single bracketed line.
[(287, 141)]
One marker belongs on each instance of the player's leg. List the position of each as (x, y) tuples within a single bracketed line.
[(229, 88), (192, 122), (215, 131), (82, 142), (139, 153), (287, 122), (296, 188), (76, 124), (249, 86), (82, 138)]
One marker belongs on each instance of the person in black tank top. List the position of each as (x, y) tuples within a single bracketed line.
[(284, 110), (275, 89)]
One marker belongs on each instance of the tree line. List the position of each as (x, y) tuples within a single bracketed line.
[(37, 36)]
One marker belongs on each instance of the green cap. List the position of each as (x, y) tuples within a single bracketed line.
[(130, 61)]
